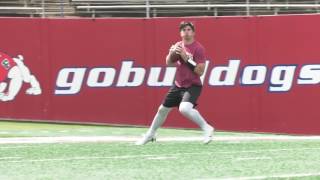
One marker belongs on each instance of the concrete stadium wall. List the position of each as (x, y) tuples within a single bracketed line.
[(263, 73)]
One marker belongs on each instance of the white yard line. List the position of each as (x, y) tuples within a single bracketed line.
[(267, 177), (79, 139)]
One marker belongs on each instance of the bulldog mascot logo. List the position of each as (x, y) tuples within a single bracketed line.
[(13, 73)]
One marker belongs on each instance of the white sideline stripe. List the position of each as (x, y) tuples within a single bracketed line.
[(83, 158), (266, 177), (45, 131), (155, 156), (85, 130), (10, 158), (253, 158), (79, 139), (13, 147), (161, 158), (63, 131)]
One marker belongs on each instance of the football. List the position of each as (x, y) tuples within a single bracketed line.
[(175, 57)]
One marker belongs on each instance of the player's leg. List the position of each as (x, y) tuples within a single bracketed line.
[(172, 99), (28, 77), (158, 120), (187, 109), (14, 84)]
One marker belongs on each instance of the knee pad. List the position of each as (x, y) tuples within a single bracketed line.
[(185, 107)]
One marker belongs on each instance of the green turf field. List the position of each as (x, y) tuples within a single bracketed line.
[(229, 159)]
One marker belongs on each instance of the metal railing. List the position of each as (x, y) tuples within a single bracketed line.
[(153, 8), (248, 7), (35, 8)]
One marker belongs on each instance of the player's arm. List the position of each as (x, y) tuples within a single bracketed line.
[(170, 56), (199, 69)]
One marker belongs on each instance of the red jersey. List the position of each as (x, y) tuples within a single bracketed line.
[(185, 77), (6, 63)]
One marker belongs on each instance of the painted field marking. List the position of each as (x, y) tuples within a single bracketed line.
[(252, 158), (266, 177), (161, 158), (162, 155), (78, 139), (14, 147), (4, 158)]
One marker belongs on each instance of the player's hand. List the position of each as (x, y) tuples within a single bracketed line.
[(172, 49), (182, 52)]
